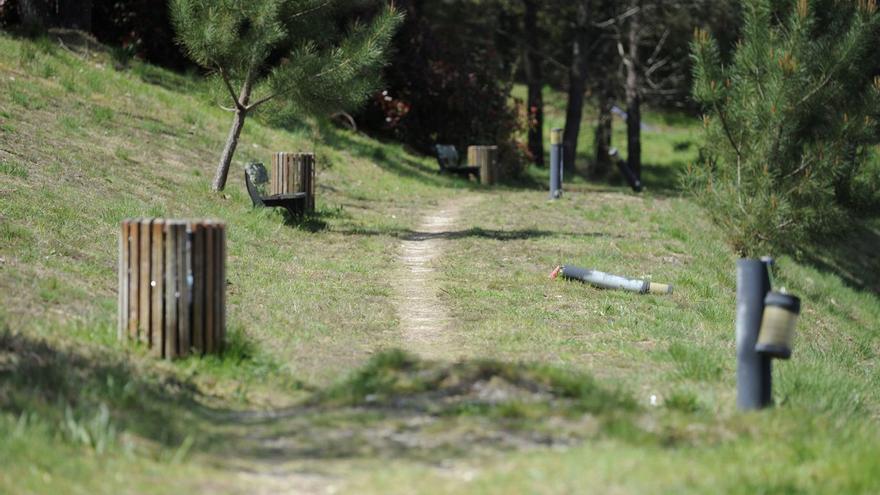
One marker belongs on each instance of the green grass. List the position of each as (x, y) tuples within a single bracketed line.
[(669, 143), (546, 386)]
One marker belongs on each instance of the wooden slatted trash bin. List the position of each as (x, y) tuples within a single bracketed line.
[(294, 173), (172, 285), (486, 159)]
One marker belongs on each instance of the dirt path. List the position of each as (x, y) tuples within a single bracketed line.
[(424, 319)]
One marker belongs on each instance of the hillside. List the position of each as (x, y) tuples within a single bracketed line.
[(530, 385)]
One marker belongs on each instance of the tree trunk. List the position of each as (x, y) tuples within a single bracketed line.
[(602, 166), (234, 133), (633, 99), (577, 81), (534, 79), (229, 151)]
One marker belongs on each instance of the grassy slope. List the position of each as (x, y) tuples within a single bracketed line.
[(83, 146)]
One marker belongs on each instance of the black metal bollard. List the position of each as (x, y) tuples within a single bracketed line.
[(556, 163), (627, 173), (753, 369)]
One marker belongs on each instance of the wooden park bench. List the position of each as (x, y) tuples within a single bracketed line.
[(449, 161), (482, 162), (292, 185)]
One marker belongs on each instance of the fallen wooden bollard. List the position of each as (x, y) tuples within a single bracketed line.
[(172, 285), (294, 173), (484, 158), (608, 281)]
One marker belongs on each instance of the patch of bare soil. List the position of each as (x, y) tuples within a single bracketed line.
[(424, 320)]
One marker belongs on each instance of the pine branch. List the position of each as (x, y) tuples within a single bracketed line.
[(309, 11), (266, 99), (228, 85)]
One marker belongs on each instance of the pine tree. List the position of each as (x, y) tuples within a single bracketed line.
[(289, 52), (790, 122)]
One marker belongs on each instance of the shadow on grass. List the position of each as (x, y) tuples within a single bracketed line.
[(314, 221), (69, 388), (659, 180), (400, 164), (310, 222), (664, 180), (852, 257), (400, 406), (396, 406), (475, 232)]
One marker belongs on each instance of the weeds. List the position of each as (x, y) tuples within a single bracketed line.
[(13, 169)]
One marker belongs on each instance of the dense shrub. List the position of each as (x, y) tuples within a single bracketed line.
[(8, 13), (443, 87), (790, 123), (139, 28)]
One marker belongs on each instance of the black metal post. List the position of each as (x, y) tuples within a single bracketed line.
[(556, 163), (753, 370)]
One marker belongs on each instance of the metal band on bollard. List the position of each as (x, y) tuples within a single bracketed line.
[(556, 163)]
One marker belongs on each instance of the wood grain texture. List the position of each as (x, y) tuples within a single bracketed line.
[(172, 285), (294, 173), (170, 331), (486, 159), (198, 287), (157, 292), (133, 272), (210, 280), (122, 312), (144, 281)]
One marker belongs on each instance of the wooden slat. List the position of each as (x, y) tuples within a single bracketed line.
[(170, 330), (133, 282), (183, 291), (285, 171), (221, 288), (272, 175), (123, 282), (313, 168), (157, 288), (280, 175), (198, 288), (282, 162), (144, 285), (210, 289)]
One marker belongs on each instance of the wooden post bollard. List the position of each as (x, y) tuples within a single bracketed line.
[(172, 285), (486, 158), (294, 173)]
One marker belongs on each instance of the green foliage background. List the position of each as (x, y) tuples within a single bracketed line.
[(790, 123), (297, 52)]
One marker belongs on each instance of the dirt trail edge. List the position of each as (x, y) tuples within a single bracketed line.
[(425, 323)]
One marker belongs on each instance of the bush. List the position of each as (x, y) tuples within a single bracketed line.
[(442, 87), (790, 123)]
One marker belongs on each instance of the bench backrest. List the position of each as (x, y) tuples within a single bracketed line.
[(447, 156), (256, 179)]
